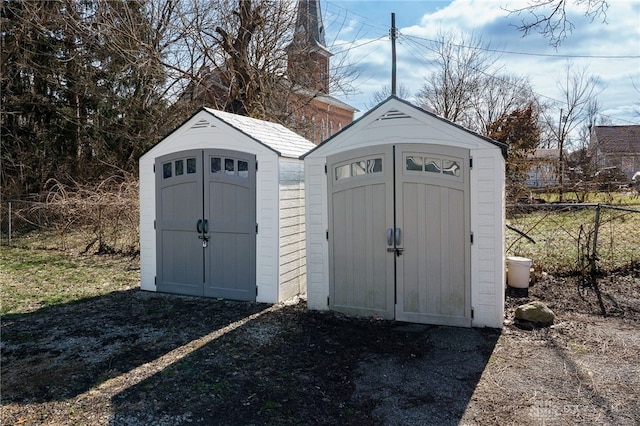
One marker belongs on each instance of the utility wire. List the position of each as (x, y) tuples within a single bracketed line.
[(414, 51), (547, 55), (497, 77), (362, 20), (351, 47)]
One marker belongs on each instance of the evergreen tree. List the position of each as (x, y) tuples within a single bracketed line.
[(80, 91)]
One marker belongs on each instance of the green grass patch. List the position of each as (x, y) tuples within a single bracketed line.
[(611, 198), (561, 239), (34, 279)]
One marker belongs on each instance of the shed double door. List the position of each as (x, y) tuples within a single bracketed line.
[(206, 224), (399, 239)]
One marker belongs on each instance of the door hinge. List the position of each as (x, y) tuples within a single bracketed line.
[(328, 300), (471, 162), (327, 234), (256, 166), (471, 313), (256, 290), (325, 169), (472, 238), (256, 228), (155, 280), (154, 168)]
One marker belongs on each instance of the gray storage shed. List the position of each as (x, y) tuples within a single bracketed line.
[(405, 220), (222, 210)]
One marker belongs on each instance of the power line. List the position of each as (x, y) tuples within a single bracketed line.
[(415, 53), (365, 22), (498, 77), (351, 46), (547, 55), (362, 20)]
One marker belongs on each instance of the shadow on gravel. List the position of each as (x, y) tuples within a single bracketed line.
[(293, 366), (60, 352)]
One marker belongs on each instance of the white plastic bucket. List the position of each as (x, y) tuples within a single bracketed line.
[(518, 271)]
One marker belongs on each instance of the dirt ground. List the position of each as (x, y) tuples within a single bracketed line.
[(138, 358)]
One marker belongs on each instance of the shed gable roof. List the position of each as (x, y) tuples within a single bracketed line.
[(275, 136), (389, 109), (618, 139)]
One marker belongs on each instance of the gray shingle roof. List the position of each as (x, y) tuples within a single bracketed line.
[(273, 135), (618, 139)]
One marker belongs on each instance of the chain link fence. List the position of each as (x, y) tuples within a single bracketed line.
[(77, 226), (575, 238), (566, 238)]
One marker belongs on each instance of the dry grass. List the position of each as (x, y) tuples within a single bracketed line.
[(84, 352), (100, 218), (561, 239), (32, 279)]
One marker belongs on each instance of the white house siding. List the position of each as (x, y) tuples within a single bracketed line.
[(292, 263), (487, 250), (316, 225), (147, 232), (267, 237)]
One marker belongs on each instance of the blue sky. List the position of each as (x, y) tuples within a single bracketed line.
[(359, 29)]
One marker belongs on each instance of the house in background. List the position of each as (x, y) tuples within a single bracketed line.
[(307, 106), (616, 146), (544, 169)]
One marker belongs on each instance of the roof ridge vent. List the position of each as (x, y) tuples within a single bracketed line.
[(202, 124), (393, 114)]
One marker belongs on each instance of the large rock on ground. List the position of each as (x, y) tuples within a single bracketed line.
[(535, 312)]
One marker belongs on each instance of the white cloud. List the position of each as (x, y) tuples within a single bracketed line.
[(466, 13), (487, 19)]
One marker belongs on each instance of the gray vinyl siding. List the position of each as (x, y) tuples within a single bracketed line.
[(292, 259)]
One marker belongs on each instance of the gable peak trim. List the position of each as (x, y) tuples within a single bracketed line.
[(393, 114), (202, 124)]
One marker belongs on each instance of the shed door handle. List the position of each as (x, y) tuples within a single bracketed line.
[(199, 226), (389, 236), (398, 236)]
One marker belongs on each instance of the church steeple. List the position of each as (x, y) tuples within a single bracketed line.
[(309, 23), (308, 54)]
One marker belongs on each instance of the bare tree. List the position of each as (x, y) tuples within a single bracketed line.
[(382, 94), (499, 95), (239, 59), (461, 65), (466, 86), (550, 17), (579, 90), (80, 90), (87, 86)]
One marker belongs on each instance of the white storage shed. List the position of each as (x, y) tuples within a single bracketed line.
[(222, 210), (405, 220)]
